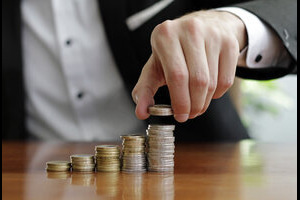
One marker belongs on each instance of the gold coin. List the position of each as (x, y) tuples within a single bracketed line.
[(107, 147), (105, 154), (58, 163), (133, 137), (108, 163), (83, 165), (81, 157)]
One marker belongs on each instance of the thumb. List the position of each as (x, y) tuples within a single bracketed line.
[(143, 93)]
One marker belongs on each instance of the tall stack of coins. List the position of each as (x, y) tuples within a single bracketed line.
[(161, 148), (58, 166), (133, 153), (160, 143), (83, 163), (107, 158)]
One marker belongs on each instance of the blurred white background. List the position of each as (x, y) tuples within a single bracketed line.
[(269, 109)]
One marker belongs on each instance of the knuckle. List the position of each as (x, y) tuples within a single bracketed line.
[(177, 76), (230, 43), (161, 33), (214, 33), (193, 27), (199, 81), (226, 83), (164, 29), (212, 86)]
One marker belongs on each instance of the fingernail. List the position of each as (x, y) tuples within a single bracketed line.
[(193, 116), (201, 113), (181, 117)]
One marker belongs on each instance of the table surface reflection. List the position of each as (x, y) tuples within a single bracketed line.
[(243, 170)]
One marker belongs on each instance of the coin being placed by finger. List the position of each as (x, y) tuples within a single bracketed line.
[(160, 110)]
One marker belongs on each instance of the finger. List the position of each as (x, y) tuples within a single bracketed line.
[(195, 56), (149, 81), (227, 67), (170, 54), (212, 53)]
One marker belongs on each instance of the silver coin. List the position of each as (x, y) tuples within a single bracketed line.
[(161, 146), (161, 127), (160, 110), (161, 139)]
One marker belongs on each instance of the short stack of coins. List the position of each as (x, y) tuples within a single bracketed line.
[(83, 163), (58, 166), (107, 158), (161, 148), (133, 153)]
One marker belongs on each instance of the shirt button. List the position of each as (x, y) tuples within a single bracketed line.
[(80, 95), (258, 58), (68, 42)]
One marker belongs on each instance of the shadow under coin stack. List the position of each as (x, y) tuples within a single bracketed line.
[(107, 158), (160, 142), (133, 153), (58, 166), (83, 163)]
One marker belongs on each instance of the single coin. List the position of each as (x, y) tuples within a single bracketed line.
[(133, 138), (79, 157), (58, 163), (165, 127), (160, 110), (107, 148)]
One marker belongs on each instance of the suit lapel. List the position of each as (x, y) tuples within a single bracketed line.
[(139, 18), (13, 96), (114, 15)]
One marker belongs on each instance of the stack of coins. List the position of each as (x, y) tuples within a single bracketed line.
[(58, 166), (83, 163), (133, 153), (161, 148), (107, 158)]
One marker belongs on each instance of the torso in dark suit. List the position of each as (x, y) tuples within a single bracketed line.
[(131, 50)]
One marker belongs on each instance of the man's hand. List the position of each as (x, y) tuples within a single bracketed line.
[(196, 57)]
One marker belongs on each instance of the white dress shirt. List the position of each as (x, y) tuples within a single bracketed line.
[(74, 90), (264, 47)]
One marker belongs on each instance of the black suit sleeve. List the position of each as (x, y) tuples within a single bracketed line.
[(281, 16)]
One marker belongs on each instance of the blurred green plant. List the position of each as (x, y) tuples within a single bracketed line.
[(262, 97)]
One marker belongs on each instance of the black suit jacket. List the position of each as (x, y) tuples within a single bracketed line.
[(131, 49)]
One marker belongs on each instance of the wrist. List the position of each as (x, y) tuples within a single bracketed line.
[(239, 28)]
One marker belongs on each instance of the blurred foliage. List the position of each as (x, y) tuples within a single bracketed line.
[(262, 97)]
